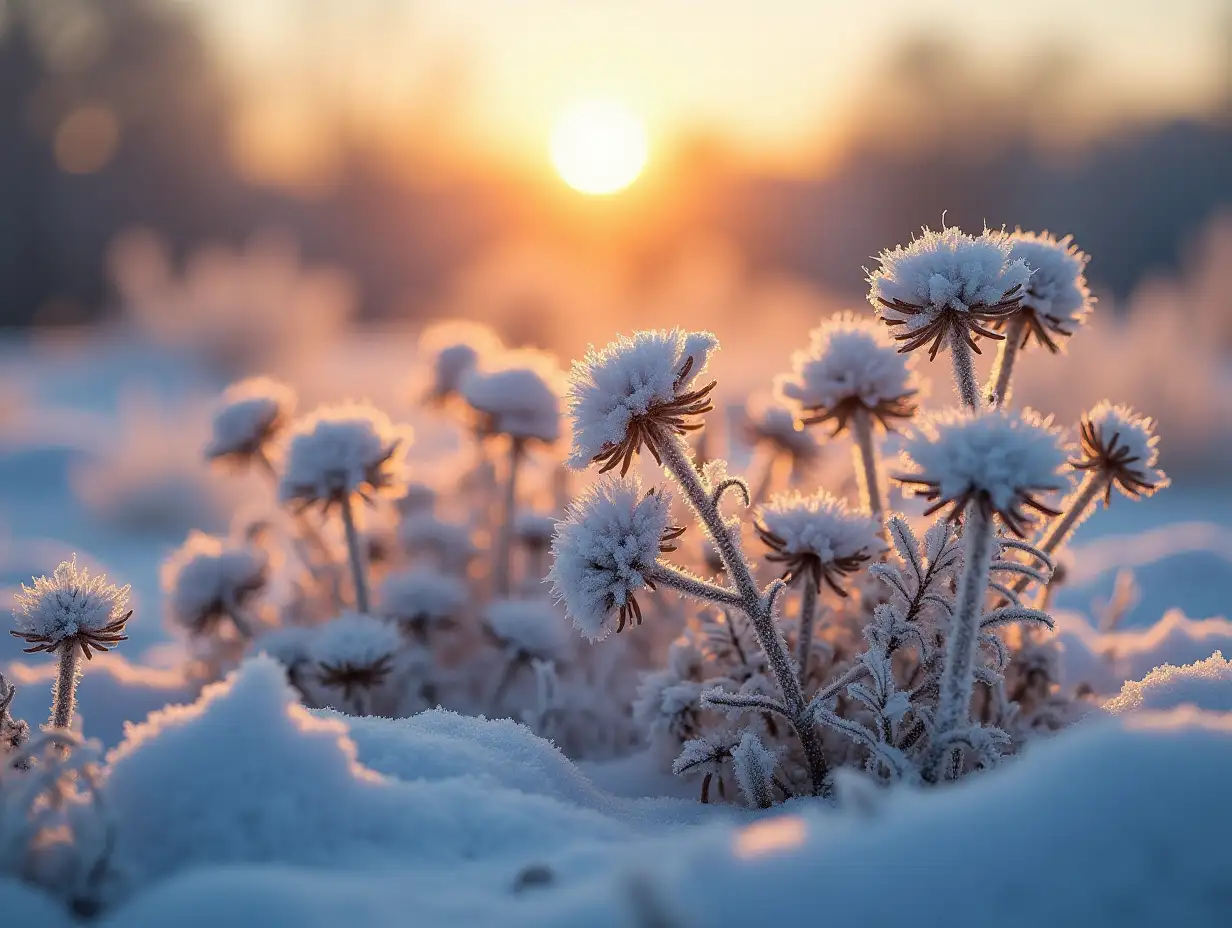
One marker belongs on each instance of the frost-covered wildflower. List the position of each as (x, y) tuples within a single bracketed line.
[(420, 599), (817, 538), (607, 549), (424, 532), (250, 417), (354, 653), (999, 460), (71, 611), (521, 399), (457, 348), (1056, 300), (210, 580), (289, 645), (528, 628), (1123, 447), (947, 284), (534, 529), (416, 497), (774, 424), (340, 451), (850, 364), (637, 391)]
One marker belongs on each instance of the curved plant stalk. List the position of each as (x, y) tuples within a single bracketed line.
[(964, 368), (504, 532), (998, 389), (867, 471), (358, 573)]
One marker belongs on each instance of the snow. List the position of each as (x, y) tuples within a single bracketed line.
[(1206, 684)]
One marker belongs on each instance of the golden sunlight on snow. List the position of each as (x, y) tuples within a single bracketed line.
[(771, 836)]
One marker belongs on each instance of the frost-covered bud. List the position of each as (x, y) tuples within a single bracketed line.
[(774, 424), (340, 451), (456, 348), (817, 538), (606, 550), (998, 460), (1056, 300), (210, 580), (1124, 447), (249, 419), (850, 364), (528, 628), (354, 653), (419, 600), (534, 530), (637, 391), (71, 609), (521, 400), (947, 281), (753, 764), (423, 533)]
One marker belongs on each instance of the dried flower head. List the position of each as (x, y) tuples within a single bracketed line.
[(606, 550), (637, 391), (774, 424), (817, 538), (528, 628), (71, 609), (340, 451), (210, 580), (251, 415), (999, 460), (947, 282), (457, 348), (850, 364), (521, 399), (354, 653), (1056, 300), (425, 533), (420, 599), (1124, 446), (534, 529)]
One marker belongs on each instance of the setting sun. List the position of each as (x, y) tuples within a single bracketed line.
[(598, 147)]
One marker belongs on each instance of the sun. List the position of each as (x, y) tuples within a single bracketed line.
[(598, 147)]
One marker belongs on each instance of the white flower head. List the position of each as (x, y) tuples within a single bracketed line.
[(71, 609), (1123, 445), (424, 532), (606, 550), (1057, 300), (456, 348), (354, 652), (534, 529), (340, 451), (209, 580), (250, 417), (528, 628), (420, 599), (637, 391), (947, 281), (998, 459), (290, 645), (818, 538), (773, 423), (850, 363), (521, 399)]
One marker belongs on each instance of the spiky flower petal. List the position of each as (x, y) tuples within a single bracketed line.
[(71, 609)]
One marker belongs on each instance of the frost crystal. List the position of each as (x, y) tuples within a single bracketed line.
[(419, 598), (342, 450), (818, 537), (850, 363), (1123, 445), (999, 459), (71, 608), (521, 400), (605, 551), (528, 628), (946, 280), (251, 415), (209, 580), (634, 389), (1056, 297)]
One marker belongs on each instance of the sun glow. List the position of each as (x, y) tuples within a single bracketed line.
[(598, 147)]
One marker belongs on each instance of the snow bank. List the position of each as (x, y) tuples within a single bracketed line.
[(1205, 684)]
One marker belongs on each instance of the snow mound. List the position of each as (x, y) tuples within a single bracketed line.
[(1206, 684)]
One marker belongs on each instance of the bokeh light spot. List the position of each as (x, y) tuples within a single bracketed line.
[(598, 147), (86, 139)]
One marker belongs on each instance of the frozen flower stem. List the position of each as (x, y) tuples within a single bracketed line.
[(358, 573), (758, 607), (1003, 369), (808, 618), (504, 538), (64, 697), (964, 368), (866, 462), (1076, 508)]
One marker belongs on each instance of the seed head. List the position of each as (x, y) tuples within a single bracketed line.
[(528, 628), (521, 399), (251, 416), (71, 609), (354, 652), (817, 538), (209, 580), (1056, 300), (1123, 445)]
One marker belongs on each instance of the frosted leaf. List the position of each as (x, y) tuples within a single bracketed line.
[(355, 639), (1057, 292), (605, 550), (628, 379), (337, 451), (702, 756), (528, 628), (209, 579), (1122, 444), (71, 607), (250, 417), (521, 399), (421, 597), (753, 764)]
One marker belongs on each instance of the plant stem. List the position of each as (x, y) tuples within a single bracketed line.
[(696, 587), (64, 697), (998, 389), (358, 574), (865, 452), (957, 676), (964, 368), (504, 536), (808, 617), (759, 609), (1077, 507), (766, 480)]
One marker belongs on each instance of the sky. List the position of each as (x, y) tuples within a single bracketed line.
[(780, 81)]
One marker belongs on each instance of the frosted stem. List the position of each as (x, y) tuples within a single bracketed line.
[(865, 453), (696, 587), (964, 368), (504, 537), (358, 575), (759, 609), (64, 697), (808, 617), (957, 676), (998, 389), (1076, 508)]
